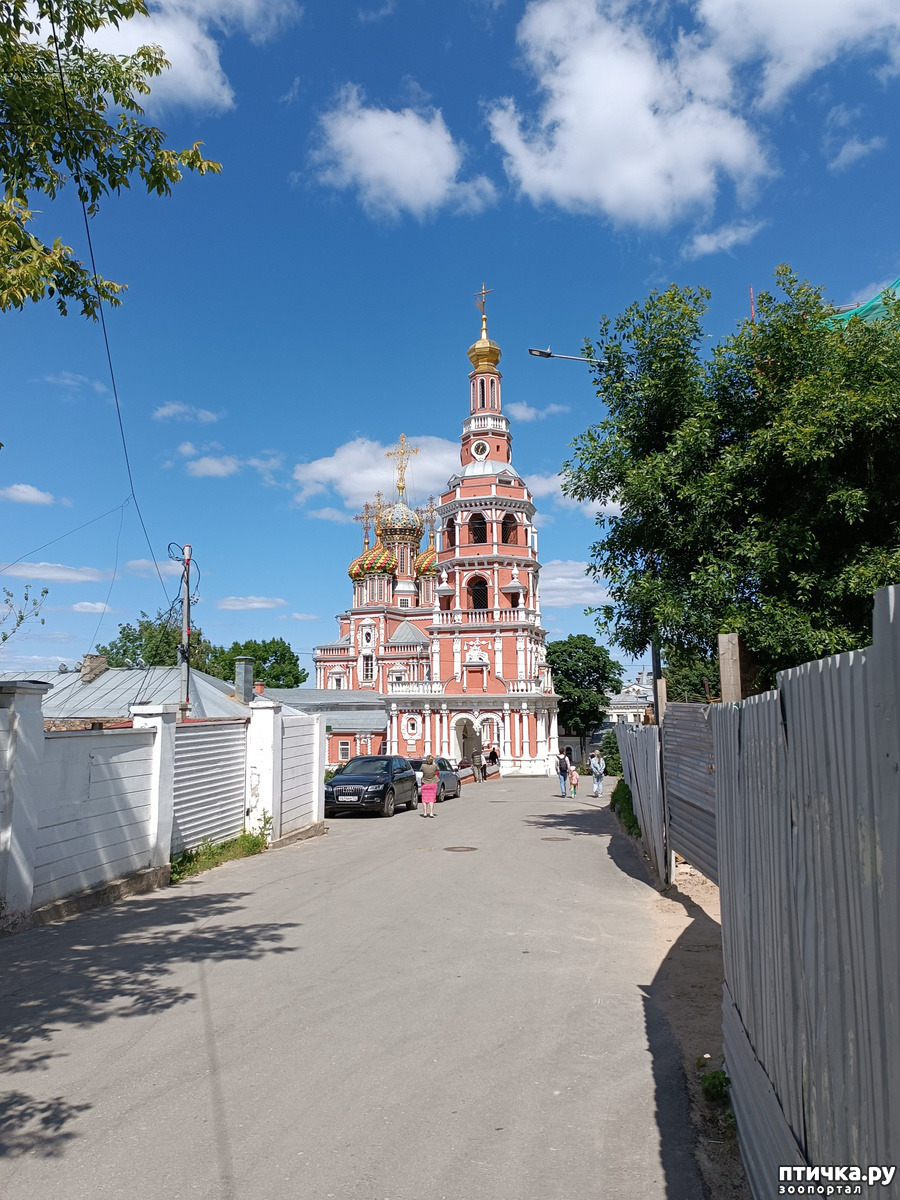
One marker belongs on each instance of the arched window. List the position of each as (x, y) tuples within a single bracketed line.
[(493, 393), (481, 393), (510, 530), (477, 530), (478, 592), (473, 393), (450, 534)]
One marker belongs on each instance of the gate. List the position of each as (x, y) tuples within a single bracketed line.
[(690, 786), (210, 782), (300, 776)]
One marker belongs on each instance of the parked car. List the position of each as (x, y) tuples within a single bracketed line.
[(372, 782), (448, 780)]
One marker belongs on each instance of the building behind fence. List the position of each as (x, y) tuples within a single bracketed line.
[(81, 808), (791, 800)]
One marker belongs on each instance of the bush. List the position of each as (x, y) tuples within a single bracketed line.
[(622, 806), (715, 1087), (609, 748)]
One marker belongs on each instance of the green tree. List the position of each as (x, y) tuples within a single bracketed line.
[(274, 662), (155, 642), (72, 113), (584, 677), (757, 483), (689, 675)]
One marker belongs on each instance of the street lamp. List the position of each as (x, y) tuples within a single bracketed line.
[(548, 353)]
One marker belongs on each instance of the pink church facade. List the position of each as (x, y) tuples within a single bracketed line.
[(450, 637)]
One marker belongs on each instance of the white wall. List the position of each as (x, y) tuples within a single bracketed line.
[(94, 812)]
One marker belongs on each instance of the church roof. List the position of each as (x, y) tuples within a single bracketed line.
[(407, 633)]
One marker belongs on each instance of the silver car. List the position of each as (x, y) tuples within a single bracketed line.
[(448, 780)]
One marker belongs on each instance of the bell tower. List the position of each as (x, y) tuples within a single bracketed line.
[(486, 435)]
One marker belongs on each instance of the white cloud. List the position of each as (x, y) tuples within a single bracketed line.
[(175, 411), (188, 449), (146, 566), (624, 130), (190, 32), (249, 603), (366, 15), (73, 382), (725, 238), (564, 584), (396, 162), (304, 617), (90, 606), (549, 487), (267, 467), (25, 493), (40, 573), (526, 412), (358, 469), (217, 467), (339, 515), (793, 40), (854, 150)]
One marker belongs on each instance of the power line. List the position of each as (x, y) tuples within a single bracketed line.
[(63, 536), (112, 374), (93, 641)]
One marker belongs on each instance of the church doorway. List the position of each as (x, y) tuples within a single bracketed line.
[(465, 738)]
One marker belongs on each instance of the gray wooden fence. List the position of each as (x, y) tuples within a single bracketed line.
[(808, 797), (690, 786), (639, 751)]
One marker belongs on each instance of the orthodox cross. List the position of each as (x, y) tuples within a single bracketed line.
[(428, 513), (480, 298), (402, 452), (365, 518), (377, 508)]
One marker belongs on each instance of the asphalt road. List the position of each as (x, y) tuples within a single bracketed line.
[(365, 1016)]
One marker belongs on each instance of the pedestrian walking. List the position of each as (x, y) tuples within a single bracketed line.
[(573, 779), (494, 757), (477, 763), (562, 770), (598, 770), (429, 785)]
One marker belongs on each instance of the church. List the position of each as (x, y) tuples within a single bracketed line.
[(448, 637)]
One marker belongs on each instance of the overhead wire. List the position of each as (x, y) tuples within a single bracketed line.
[(63, 536), (93, 642), (100, 311)]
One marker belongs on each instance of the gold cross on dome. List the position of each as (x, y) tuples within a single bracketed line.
[(480, 298), (365, 518), (402, 453)]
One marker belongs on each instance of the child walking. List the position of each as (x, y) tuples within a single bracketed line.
[(573, 779)]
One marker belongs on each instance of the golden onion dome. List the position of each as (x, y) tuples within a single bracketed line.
[(484, 354)]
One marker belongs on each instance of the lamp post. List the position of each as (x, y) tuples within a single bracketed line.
[(548, 353)]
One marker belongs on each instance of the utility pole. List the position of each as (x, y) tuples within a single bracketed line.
[(185, 649)]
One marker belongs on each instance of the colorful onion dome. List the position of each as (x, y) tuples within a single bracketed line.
[(400, 521), (355, 570), (378, 561), (426, 563)]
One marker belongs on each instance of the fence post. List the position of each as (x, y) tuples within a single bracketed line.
[(23, 742), (161, 718), (264, 766), (319, 761)]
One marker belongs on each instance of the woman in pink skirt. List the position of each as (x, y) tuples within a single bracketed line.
[(429, 785)]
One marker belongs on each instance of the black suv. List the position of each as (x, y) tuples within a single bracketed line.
[(370, 782)]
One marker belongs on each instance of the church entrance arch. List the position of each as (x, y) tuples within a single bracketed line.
[(465, 736)]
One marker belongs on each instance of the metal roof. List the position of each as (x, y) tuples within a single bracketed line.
[(331, 699), (408, 634), (111, 695)]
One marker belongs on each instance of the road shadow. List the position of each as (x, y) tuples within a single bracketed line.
[(669, 1002), (111, 963)]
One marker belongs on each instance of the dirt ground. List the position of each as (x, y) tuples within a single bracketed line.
[(689, 991)]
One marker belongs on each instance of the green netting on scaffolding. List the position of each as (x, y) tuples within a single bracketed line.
[(871, 310)]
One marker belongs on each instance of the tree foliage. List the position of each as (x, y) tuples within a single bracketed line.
[(155, 642), (757, 483), (70, 113), (689, 675), (274, 662), (15, 612), (584, 677)]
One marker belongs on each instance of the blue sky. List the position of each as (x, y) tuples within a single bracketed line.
[(286, 321)]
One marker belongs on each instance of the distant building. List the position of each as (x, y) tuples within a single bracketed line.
[(447, 640), (632, 702)]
